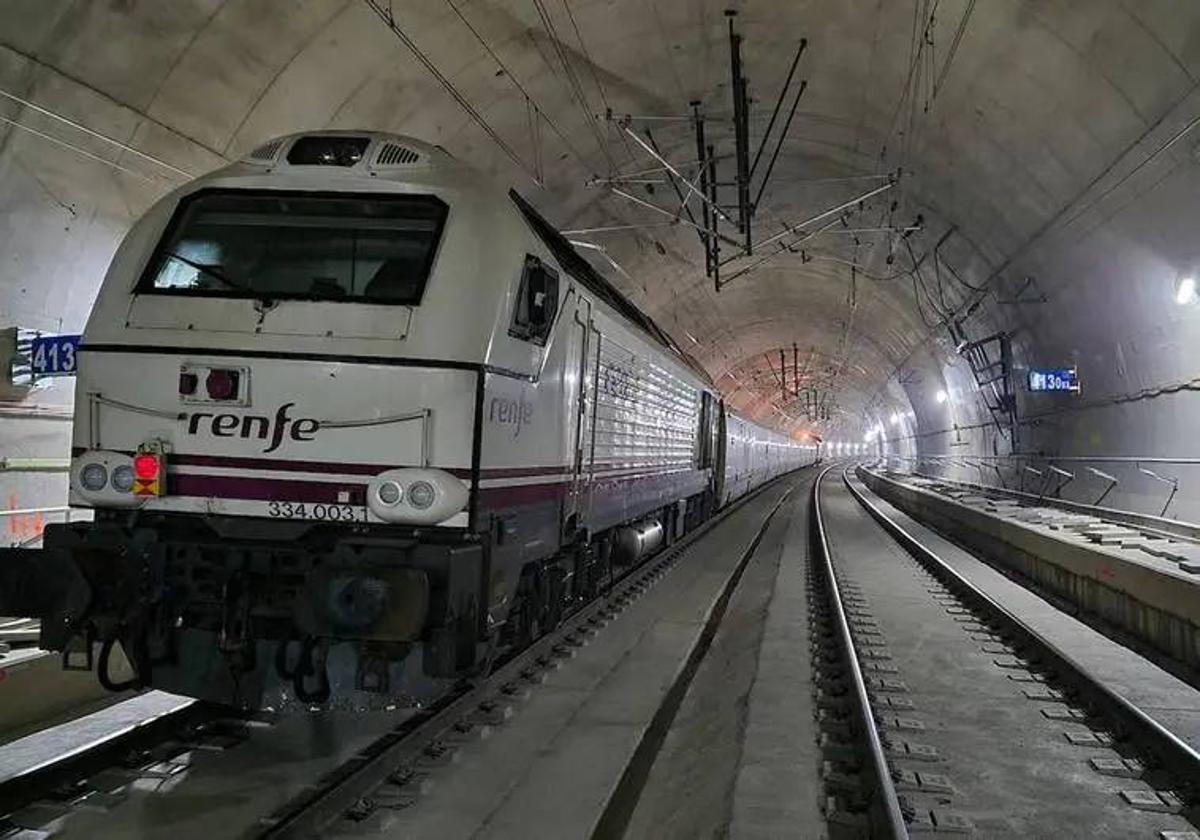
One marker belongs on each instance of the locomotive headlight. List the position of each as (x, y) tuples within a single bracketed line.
[(421, 494), (93, 477), (103, 479), (416, 496), (390, 493), (122, 478)]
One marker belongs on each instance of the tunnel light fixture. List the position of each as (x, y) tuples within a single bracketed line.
[(896, 418), (1185, 291), (942, 396)]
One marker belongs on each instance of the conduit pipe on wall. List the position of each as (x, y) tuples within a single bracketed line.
[(33, 412), (50, 465)]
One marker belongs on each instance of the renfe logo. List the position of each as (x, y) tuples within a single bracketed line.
[(255, 426), (511, 412)]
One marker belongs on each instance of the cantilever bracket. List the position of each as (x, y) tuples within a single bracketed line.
[(1112, 482), (1173, 481)]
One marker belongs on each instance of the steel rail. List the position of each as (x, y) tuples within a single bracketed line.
[(891, 812), (1174, 755)]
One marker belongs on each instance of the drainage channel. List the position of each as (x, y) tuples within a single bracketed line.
[(983, 726)]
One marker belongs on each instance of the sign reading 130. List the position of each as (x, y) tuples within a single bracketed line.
[(54, 355)]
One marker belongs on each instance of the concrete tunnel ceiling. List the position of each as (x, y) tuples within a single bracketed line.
[(1047, 138)]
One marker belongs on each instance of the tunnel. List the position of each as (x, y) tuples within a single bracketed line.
[(1041, 190), (946, 242)]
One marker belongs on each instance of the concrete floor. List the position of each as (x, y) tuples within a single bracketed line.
[(552, 770), (741, 759)]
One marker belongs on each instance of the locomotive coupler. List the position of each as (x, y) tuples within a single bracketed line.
[(234, 639)]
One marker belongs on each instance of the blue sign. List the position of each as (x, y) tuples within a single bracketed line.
[(1053, 379), (54, 355)]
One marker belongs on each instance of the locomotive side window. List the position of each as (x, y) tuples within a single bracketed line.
[(285, 245), (537, 302)]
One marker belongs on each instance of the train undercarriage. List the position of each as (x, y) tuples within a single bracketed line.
[(276, 614)]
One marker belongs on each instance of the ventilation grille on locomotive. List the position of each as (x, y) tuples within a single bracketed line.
[(266, 152), (393, 154)]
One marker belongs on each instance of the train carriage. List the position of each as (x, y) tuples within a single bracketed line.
[(352, 422)]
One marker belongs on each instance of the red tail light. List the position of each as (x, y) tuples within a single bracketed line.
[(149, 474), (145, 466)]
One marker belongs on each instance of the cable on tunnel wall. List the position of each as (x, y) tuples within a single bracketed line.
[(1032, 419)]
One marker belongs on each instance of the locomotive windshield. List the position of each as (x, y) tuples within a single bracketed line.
[(300, 246)]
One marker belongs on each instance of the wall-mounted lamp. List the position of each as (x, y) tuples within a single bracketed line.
[(1185, 290), (896, 418), (942, 396)]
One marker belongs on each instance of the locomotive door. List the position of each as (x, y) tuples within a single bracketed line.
[(719, 462), (583, 466)]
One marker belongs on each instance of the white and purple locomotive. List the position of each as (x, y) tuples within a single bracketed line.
[(351, 422)]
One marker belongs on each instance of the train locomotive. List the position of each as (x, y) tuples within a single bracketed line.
[(352, 424)]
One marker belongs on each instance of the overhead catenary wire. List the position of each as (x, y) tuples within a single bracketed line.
[(389, 20), (98, 158), (538, 110), (573, 83), (799, 229), (958, 35), (536, 115), (591, 66), (46, 112)]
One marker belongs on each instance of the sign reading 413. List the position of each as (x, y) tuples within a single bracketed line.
[(54, 355)]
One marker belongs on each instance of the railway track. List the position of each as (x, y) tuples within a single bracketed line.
[(942, 712), (389, 770)]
